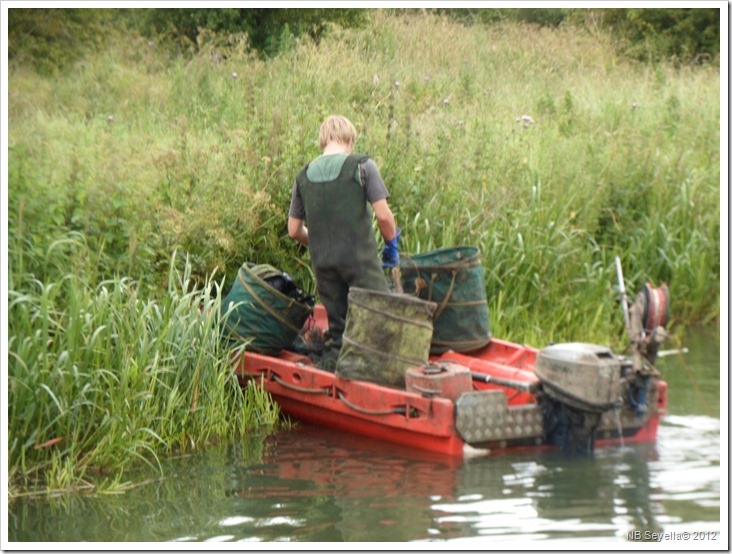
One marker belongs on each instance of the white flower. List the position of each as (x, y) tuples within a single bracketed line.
[(525, 119)]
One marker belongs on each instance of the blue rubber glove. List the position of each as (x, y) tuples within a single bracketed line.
[(390, 254)]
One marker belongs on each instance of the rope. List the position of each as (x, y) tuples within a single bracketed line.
[(269, 310), (426, 391), (454, 268), (381, 353), (469, 303), (469, 262), (279, 381), (425, 324), (443, 305), (396, 410)]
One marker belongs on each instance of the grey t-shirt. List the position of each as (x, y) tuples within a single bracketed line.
[(327, 168)]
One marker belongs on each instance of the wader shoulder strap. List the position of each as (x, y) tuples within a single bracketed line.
[(301, 177)]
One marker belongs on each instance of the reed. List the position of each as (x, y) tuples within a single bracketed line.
[(199, 155), (100, 378), (140, 154)]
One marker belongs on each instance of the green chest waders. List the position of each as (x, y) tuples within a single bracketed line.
[(341, 240)]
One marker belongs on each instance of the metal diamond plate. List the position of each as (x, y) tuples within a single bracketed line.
[(485, 416)]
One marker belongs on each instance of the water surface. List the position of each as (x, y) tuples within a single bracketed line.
[(312, 484)]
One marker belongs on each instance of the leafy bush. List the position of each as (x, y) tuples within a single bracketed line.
[(51, 38), (686, 34), (269, 30)]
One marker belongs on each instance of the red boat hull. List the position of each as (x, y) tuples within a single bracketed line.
[(427, 422)]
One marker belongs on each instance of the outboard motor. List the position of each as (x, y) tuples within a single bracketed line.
[(580, 381)]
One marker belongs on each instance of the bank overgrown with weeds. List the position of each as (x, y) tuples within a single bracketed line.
[(140, 154), (100, 377)]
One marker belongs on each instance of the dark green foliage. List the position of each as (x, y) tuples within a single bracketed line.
[(49, 39), (687, 34), (269, 30), (550, 17)]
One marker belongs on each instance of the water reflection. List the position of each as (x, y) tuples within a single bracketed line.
[(346, 488), (694, 379), (552, 497), (617, 491), (316, 485)]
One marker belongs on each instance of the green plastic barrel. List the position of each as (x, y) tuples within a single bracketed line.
[(453, 278), (385, 335), (259, 315)]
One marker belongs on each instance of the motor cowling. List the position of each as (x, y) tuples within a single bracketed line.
[(579, 382), (584, 376)]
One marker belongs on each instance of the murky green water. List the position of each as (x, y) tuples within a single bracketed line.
[(317, 485)]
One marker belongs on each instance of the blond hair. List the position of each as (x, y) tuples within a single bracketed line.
[(336, 129)]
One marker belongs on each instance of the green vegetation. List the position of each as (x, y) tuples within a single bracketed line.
[(683, 34), (130, 153), (100, 377), (50, 39)]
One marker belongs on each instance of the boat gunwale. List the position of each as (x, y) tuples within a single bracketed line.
[(410, 418)]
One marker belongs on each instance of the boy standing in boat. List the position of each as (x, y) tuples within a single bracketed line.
[(332, 194)]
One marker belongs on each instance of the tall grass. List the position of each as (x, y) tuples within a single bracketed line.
[(142, 155), (100, 378), (199, 155)]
